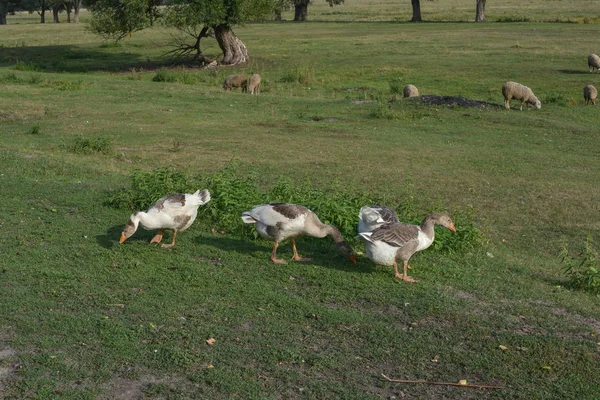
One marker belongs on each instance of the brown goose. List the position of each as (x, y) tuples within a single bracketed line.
[(281, 221), (399, 241), (371, 217), (174, 211)]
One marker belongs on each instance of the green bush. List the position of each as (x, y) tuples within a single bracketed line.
[(23, 66), (583, 273), (233, 192), (396, 86), (184, 77)]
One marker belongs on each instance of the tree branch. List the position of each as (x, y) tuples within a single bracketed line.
[(443, 383)]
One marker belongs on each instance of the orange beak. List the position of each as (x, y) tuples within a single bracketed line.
[(123, 238), (452, 228), (352, 258)]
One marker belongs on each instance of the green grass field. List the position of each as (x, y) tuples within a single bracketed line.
[(82, 317)]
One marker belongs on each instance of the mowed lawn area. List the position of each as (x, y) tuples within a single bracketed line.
[(84, 317)]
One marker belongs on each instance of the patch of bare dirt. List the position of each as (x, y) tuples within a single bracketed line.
[(454, 101), (590, 322)]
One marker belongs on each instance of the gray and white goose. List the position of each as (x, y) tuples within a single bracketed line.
[(174, 211), (371, 217), (281, 221), (389, 243)]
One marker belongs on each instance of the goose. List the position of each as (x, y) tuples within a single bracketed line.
[(174, 211), (399, 241), (281, 221), (371, 217)]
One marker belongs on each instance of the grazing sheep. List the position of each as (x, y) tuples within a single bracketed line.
[(589, 94), (514, 90), (235, 81), (593, 62), (254, 84), (410, 91)]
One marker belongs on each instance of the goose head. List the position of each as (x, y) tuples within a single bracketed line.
[(130, 228), (346, 250), (445, 221)]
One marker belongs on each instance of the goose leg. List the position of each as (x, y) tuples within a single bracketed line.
[(166, 246), (296, 257), (158, 237), (404, 276), (274, 255)]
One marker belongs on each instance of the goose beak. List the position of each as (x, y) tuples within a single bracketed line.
[(452, 228), (353, 258), (123, 238)]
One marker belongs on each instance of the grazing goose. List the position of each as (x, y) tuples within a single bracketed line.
[(371, 217), (174, 211), (281, 221), (399, 241)]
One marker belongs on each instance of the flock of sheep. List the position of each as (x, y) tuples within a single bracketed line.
[(510, 89), (251, 85), (514, 90)]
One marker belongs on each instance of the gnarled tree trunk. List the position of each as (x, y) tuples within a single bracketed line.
[(416, 7), (301, 10), (480, 11), (234, 50)]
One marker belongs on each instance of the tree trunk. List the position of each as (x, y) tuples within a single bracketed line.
[(301, 10), (234, 51), (416, 7), (69, 8), (55, 14), (2, 13), (480, 11), (42, 16), (76, 7)]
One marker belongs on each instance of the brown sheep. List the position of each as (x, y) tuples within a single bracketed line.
[(589, 94), (514, 90), (254, 84), (235, 81), (410, 91)]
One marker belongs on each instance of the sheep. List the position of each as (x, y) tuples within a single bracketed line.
[(594, 62), (254, 84), (410, 91), (514, 90), (589, 94), (235, 81)]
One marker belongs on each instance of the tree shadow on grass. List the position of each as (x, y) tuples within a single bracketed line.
[(322, 253), (74, 59)]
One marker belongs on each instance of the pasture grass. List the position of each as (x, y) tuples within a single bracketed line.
[(85, 317)]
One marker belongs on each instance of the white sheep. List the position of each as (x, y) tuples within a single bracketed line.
[(410, 91), (589, 94), (254, 84), (594, 62), (235, 81), (514, 90)]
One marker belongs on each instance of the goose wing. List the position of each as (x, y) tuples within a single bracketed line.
[(396, 234)]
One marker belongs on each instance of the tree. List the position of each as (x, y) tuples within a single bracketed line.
[(301, 8), (416, 7), (119, 18), (480, 11), (3, 11)]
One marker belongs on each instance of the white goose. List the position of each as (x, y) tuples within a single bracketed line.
[(391, 242), (281, 221), (174, 211), (371, 217)]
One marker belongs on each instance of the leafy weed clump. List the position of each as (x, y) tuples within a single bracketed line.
[(165, 75), (35, 130), (23, 66), (233, 192), (583, 273), (90, 145), (147, 187), (396, 86)]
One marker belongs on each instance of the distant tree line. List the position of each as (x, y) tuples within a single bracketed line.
[(10, 7)]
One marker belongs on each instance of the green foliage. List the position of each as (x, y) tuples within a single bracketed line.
[(89, 145), (383, 110), (396, 86), (116, 19), (147, 187), (35, 130), (556, 98), (303, 75), (584, 273), (165, 75), (23, 66)]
